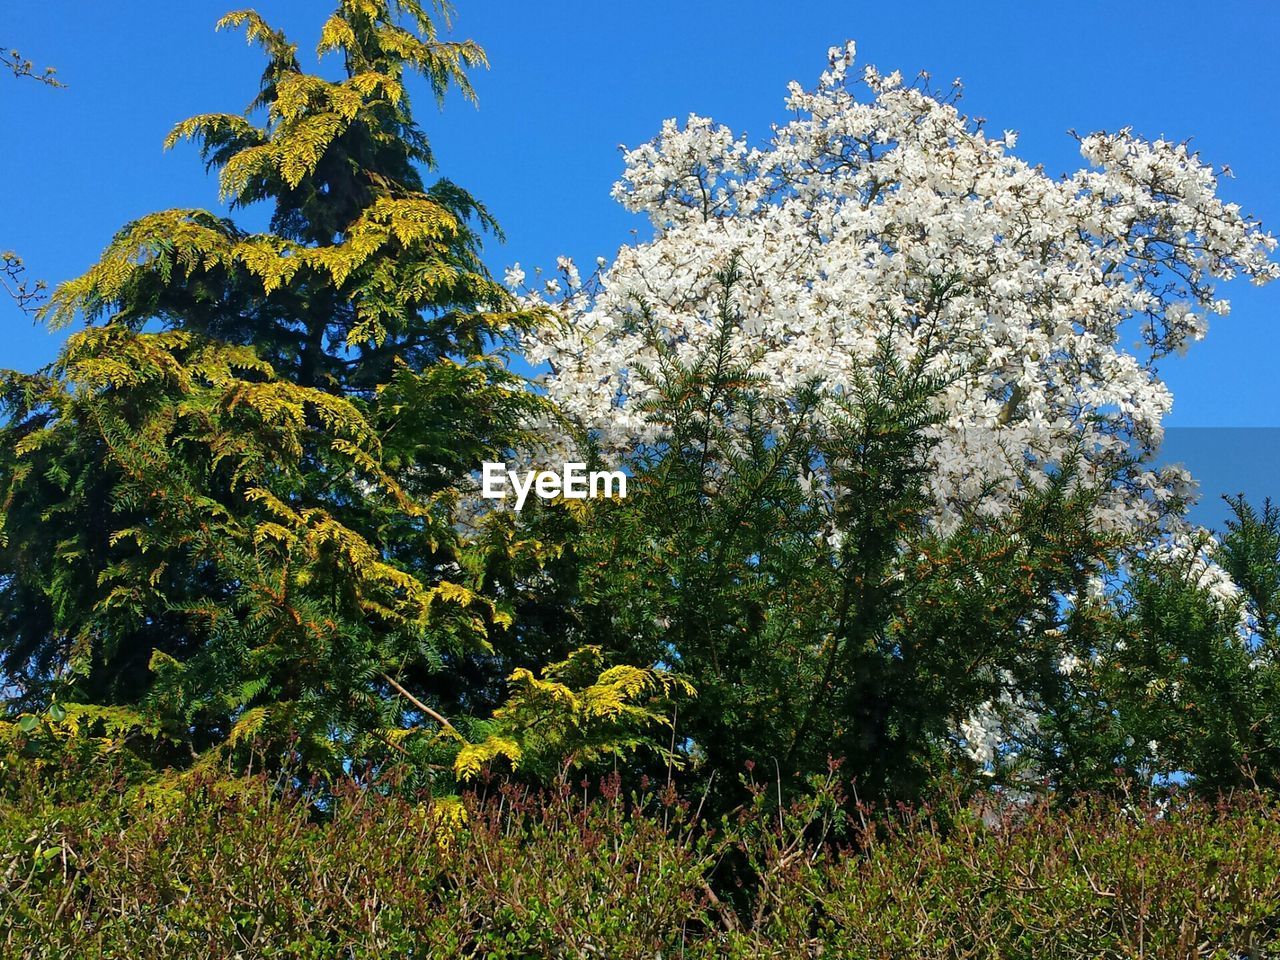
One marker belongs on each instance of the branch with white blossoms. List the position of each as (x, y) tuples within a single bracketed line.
[(995, 733), (893, 215), (20, 66), (1191, 556)]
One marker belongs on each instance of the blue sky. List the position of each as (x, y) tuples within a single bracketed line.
[(571, 80)]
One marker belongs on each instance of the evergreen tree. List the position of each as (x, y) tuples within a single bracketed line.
[(816, 622), (231, 502), (1184, 683)]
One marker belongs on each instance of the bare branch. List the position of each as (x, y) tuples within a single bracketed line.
[(437, 717), (22, 67), (28, 294)]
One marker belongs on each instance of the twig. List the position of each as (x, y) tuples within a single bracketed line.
[(437, 717)]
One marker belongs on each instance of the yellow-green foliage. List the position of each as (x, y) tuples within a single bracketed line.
[(220, 403), (207, 452), (106, 729), (362, 265), (338, 158), (575, 713), (230, 507)]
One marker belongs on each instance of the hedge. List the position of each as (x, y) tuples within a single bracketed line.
[(247, 869)]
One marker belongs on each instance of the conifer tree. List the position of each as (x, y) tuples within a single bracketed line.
[(816, 623), (230, 503)]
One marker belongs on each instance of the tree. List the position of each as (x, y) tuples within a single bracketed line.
[(816, 621), (878, 470), (231, 502), (901, 217), (1182, 678)]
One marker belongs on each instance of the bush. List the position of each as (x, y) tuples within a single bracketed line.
[(253, 869)]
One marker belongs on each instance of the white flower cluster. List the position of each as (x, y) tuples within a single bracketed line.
[(896, 217), (995, 729), (1192, 556), (1069, 664)]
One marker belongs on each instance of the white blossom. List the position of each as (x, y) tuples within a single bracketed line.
[(893, 216), (981, 732), (1069, 664), (570, 270), (995, 727), (1191, 555)]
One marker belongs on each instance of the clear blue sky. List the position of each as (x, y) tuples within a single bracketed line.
[(571, 80)]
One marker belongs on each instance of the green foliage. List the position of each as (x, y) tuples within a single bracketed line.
[(238, 527), (244, 868), (1100, 881), (574, 714), (1190, 679), (1250, 553), (231, 504), (238, 533), (184, 559), (814, 623)]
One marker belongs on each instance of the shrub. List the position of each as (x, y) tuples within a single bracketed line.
[(253, 868)]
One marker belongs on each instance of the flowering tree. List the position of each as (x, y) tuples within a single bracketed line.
[(797, 303), (898, 216)]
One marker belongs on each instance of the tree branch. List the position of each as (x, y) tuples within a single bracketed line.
[(437, 717)]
